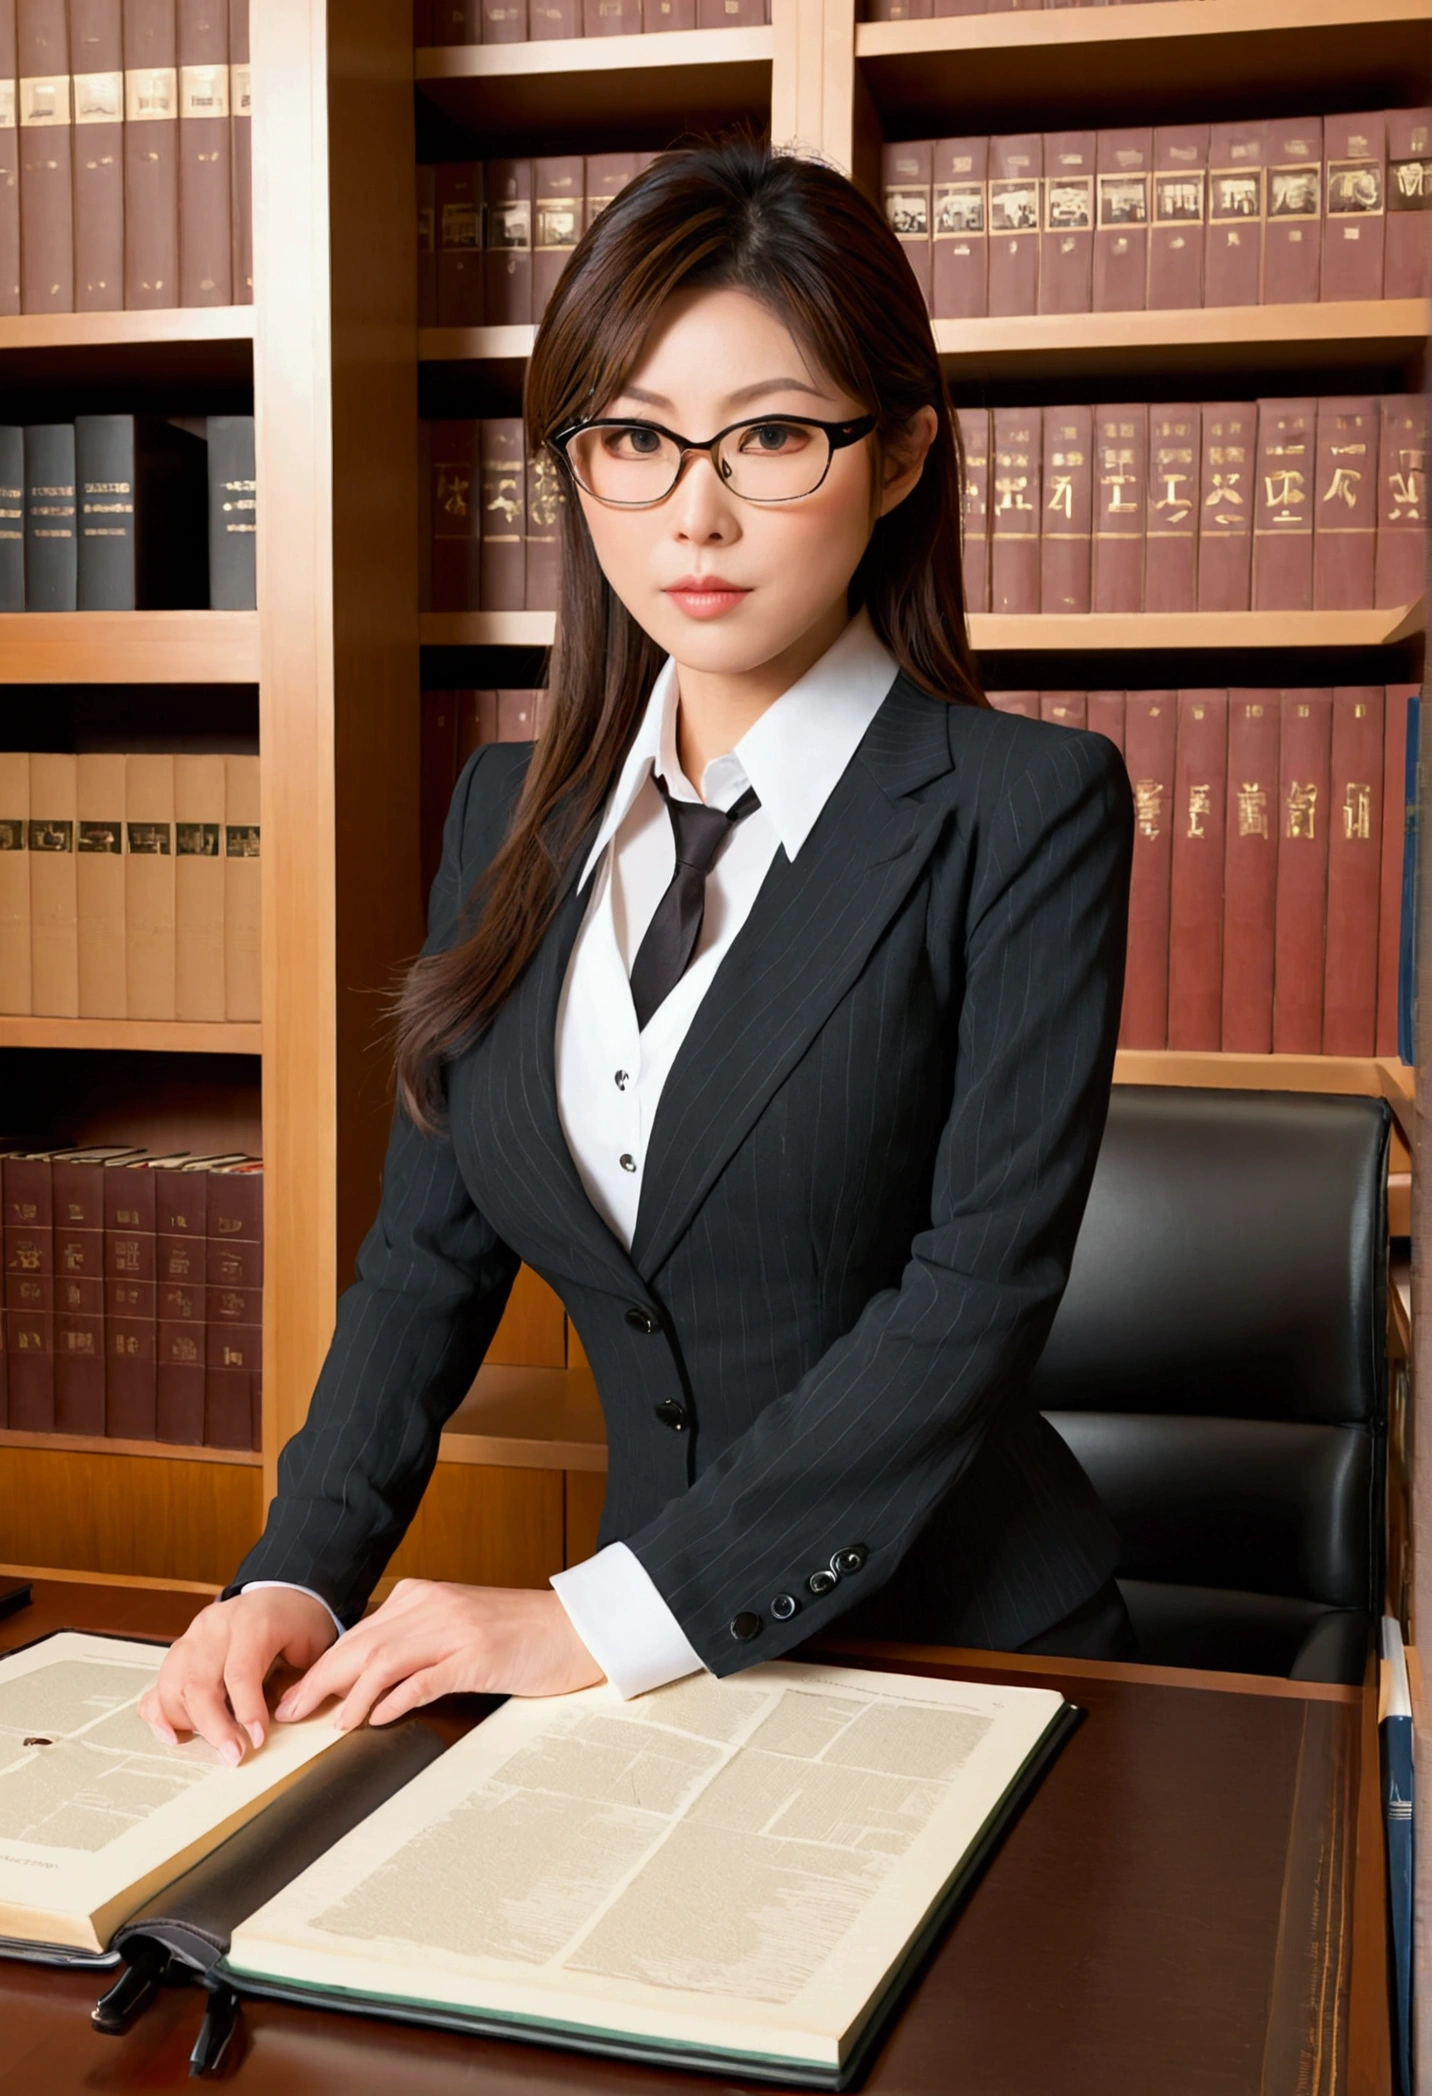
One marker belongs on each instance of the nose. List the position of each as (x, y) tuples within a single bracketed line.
[(700, 510)]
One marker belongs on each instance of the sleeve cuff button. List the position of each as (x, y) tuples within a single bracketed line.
[(849, 1560), (784, 1606), (821, 1582), (745, 1626)]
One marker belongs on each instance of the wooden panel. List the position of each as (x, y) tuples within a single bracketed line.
[(103, 1445), (586, 1492), (533, 1331), (127, 1514), (538, 1418), (129, 647), (484, 1527), (99, 330), (192, 1037)]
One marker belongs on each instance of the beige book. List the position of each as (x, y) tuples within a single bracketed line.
[(149, 885), (14, 881), (199, 887), (99, 883), (241, 889), (54, 908)]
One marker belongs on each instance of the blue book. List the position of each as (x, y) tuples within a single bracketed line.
[(1407, 956), (1396, 1731)]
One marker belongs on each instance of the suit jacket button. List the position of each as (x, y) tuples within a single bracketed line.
[(672, 1414), (821, 1582), (851, 1560), (745, 1626), (643, 1320), (783, 1607)]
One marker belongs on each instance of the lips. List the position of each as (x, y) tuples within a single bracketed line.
[(706, 596)]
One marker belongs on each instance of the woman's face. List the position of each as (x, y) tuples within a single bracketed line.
[(723, 584)]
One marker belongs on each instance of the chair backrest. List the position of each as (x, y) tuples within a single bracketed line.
[(1218, 1362)]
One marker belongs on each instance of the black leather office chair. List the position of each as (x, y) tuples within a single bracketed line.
[(1218, 1365)]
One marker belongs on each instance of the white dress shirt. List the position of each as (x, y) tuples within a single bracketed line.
[(610, 1075)]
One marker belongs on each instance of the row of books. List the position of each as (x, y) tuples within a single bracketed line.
[(1285, 211), (129, 885), (133, 1294), (1266, 909), (490, 520), (125, 155), (524, 21), (1271, 505), (128, 513), (454, 724), (923, 10)]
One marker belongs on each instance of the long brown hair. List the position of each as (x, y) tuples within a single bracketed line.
[(800, 237)]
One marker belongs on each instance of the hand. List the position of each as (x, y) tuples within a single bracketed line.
[(226, 1653), (431, 1639)]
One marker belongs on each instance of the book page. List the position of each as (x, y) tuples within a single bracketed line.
[(96, 1813), (734, 1864)]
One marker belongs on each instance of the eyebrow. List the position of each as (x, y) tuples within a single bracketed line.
[(739, 398)]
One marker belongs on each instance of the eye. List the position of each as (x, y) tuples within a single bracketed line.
[(633, 440), (774, 439)]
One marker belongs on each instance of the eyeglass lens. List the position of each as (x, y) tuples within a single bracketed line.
[(760, 461)]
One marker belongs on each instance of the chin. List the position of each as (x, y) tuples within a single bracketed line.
[(726, 647)]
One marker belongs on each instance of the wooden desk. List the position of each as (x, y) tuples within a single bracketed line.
[(1190, 1905)]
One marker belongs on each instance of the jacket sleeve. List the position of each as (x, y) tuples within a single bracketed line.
[(879, 1428), (433, 1279)]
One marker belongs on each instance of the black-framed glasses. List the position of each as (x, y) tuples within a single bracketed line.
[(768, 458)]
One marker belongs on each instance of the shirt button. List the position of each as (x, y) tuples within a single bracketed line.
[(623, 1080), (627, 1161), (745, 1626)]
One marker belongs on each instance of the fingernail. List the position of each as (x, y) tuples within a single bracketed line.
[(170, 1739), (284, 1707), (256, 1733), (231, 1752)]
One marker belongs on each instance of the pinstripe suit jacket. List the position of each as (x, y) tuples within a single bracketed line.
[(863, 1186)]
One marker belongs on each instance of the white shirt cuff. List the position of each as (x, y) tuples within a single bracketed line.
[(622, 1620), (251, 1586)]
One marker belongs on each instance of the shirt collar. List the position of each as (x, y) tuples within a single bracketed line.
[(793, 755)]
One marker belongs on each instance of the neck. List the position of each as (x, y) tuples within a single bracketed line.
[(715, 707)]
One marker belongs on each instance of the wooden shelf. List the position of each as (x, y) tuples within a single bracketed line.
[(475, 345), (1371, 1076), (681, 77), (130, 647), (165, 1037), (54, 351), (102, 1445), (529, 1419), (104, 330), (1349, 332), (487, 629)]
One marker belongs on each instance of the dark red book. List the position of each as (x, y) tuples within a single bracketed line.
[(1016, 165), (607, 174), (731, 14), (427, 245), (1405, 267), (1121, 472), (1283, 514), (518, 715), (452, 503), (1067, 510), (1195, 946), (181, 1219), (131, 1268), (559, 186), (1250, 871), (974, 557), (234, 1333), (1025, 702), (1150, 722), (546, 499), (206, 264), (1178, 235), (655, 14), (611, 17), (29, 1291), (1014, 516), (241, 153), (508, 258), (456, 22), (1400, 561), (505, 21), (959, 268), (437, 775), (1355, 227), (97, 56), (78, 1200), (1233, 257), (1227, 491), (1292, 237), (1067, 709), (906, 173), (1066, 254), (1121, 232), (1301, 912), (457, 204), (151, 154), (502, 472), (476, 722), (1171, 550), (1345, 505), (1105, 716), (9, 174), (1394, 830), (1354, 871), (47, 257)]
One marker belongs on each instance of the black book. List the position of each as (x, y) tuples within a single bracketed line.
[(142, 493), (232, 509), (12, 519), (51, 567)]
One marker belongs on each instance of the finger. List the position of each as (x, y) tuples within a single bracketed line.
[(423, 1687), (332, 1674), (244, 1672), (150, 1710), (211, 1718), (373, 1682)]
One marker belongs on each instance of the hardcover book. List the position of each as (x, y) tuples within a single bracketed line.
[(1066, 255), (1227, 493), (180, 1215), (1015, 170), (974, 552), (1398, 698), (242, 987), (907, 172), (1104, 715), (77, 1183), (559, 186), (51, 542), (233, 511), (461, 264), (508, 254), (1121, 237), (1304, 792), (607, 174), (1067, 709), (1292, 239), (1178, 233), (43, 109), (1150, 722), (1283, 516), (1171, 551), (959, 267), (656, 14), (502, 468), (1195, 957), (546, 498), (54, 895), (1345, 505), (1250, 871), (149, 884), (1066, 524), (611, 17), (1121, 467), (15, 994), (1233, 261), (142, 493), (1014, 517), (99, 884), (199, 796), (1354, 870), (12, 516), (1354, 229), (97, 56), (9, 168), (1405, 267), (241, 154), (1400, 561), (233, 1358), (453, 510), (205, 155), (427, 278), (29, 1291), (151, 154)]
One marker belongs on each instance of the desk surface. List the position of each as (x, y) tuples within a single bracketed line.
[(1172, 1915)]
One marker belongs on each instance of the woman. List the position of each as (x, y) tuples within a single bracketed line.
[(775, 865)]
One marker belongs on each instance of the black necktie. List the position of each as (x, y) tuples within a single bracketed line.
[(671, 936)]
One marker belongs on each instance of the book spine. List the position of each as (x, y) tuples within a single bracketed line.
[(1354, 230), (457, 190), (427, 250), (105, 477), (476, 722), (607, 175), (1407, 935), (47, 258), (1121, 231), (1023, 702), (233, 512), (97, 57), (1345, 505), (181, 1210), (1066, 257), (1292, 237), (453, 509), (151, 154), (130, 1302), (1400, 560), (54, 902), (1104, 715), (99, 884), (545, 499), (9, 169), (51, 559), (1121, 453), (241, 156), (79, 1297), (559, 187), (517, 715), (748, 14), (206, 260), (1195, 945), (29, 1240), (1150, 719), (12, 516), (959, 253), (15, 992), (1067, 518), (1233, 260), (1394, 825), (907, 172), (1067, 709), (1016, 168), (1354, 871), (1171, 549), (553, 18), (79, 1370), (242, 943), (1179, 233), (234, 1314), (502, 469), (199, 793), (611, 17), (1283, 514), (508, 254), (1407, 234), (1301, 909), (456, 22), (1227, 490), (974, 553), (149, 886), (1014, 519)]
